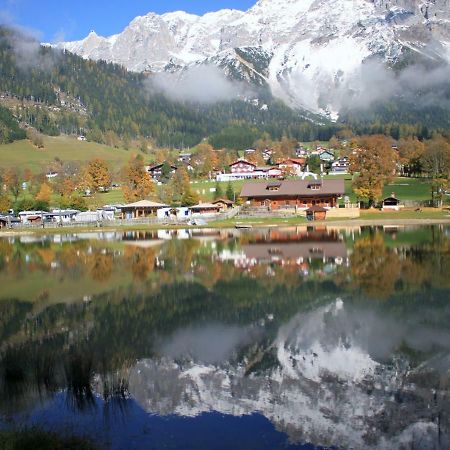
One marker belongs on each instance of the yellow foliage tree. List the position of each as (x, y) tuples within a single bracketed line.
[(375, 162), (137, 182), (45, 193)]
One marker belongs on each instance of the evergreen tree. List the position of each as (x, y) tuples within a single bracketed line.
[(218, 192), (230, 192)]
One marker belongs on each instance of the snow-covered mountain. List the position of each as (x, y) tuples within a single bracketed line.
[(335, 377), (307, 51)]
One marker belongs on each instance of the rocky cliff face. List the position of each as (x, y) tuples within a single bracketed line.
[(306, 51)]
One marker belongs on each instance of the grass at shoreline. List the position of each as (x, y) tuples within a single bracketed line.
[(38, 439)]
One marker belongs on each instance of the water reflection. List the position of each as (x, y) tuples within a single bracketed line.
[(337, 337)]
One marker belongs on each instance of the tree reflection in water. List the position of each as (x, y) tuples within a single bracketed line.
[(283, 322)]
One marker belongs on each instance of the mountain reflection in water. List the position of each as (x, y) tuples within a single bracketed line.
[(297, 337)]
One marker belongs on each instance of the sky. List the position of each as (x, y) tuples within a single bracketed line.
[(56, 20)]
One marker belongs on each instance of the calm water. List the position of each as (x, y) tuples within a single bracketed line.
[(281, 338)]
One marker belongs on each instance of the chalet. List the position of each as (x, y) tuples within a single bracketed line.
[(185, 158), (292, 166), (267, 154), (223, 203), (293, 193), (391, 203), (156, 170), (141, 209), (252, 172), (301, 152), (242, 166), (205, 209), (326, 155), (341, 165)]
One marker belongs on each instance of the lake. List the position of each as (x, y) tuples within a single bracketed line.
[(295, 338)]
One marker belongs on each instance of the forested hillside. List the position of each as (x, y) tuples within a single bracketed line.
[(62, 93), (59, 92)]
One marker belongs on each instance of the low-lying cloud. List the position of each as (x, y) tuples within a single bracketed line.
[(377, 83), (203, 84)]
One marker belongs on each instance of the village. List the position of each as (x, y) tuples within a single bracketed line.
[(312, 183)]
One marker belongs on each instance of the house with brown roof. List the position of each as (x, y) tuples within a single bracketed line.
[(292, 166), (223, 203), (293, 193), (156, 170), (242, 166)]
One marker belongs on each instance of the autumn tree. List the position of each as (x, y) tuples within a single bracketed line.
[(205, 159), (137, 183), (96, 175), (436, 158), (410, 151), (180, 184), (375, 164), (11, 179), (45, 193), (5, 202), (190, 198)]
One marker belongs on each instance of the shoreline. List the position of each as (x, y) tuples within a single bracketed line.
[(255, 224)]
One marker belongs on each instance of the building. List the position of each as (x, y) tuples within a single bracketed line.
[(316, 213), (293, 193), (204, 209), (391, 203), (156, 171), (141, 209), (223, 203), (242, 166), (292, 166), (341, 165), (31, 217), (326, 156), (185, 158), (61, 216), (258, 173)]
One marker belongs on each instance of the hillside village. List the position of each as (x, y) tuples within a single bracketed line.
[(314, 181)]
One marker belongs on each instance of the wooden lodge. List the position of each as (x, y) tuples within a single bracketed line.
[(205, 208), (293, 193), (141, 209), (316, 213), (223, 203)]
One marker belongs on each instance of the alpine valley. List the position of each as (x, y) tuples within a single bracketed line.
[(325, 56)]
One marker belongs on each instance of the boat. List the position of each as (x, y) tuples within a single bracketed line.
[(243, 226)]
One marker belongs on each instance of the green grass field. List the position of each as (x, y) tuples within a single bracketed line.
[(23, 154)]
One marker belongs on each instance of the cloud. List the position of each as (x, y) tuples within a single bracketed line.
[(213, 343), (202, 84), (27, 49), (377, 83)]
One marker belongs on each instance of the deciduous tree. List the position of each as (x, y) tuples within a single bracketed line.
[(375, 163), (137, 183)]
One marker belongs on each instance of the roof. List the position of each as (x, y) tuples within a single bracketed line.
[(242, 160), (316, 208), (204, 206), (145, 204), (299, 161), (223, 200), (157, 166), (290, 188)]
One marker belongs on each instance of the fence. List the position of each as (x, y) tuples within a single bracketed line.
[(127, 222)]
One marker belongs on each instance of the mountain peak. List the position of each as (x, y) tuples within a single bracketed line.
[(318, 46)]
